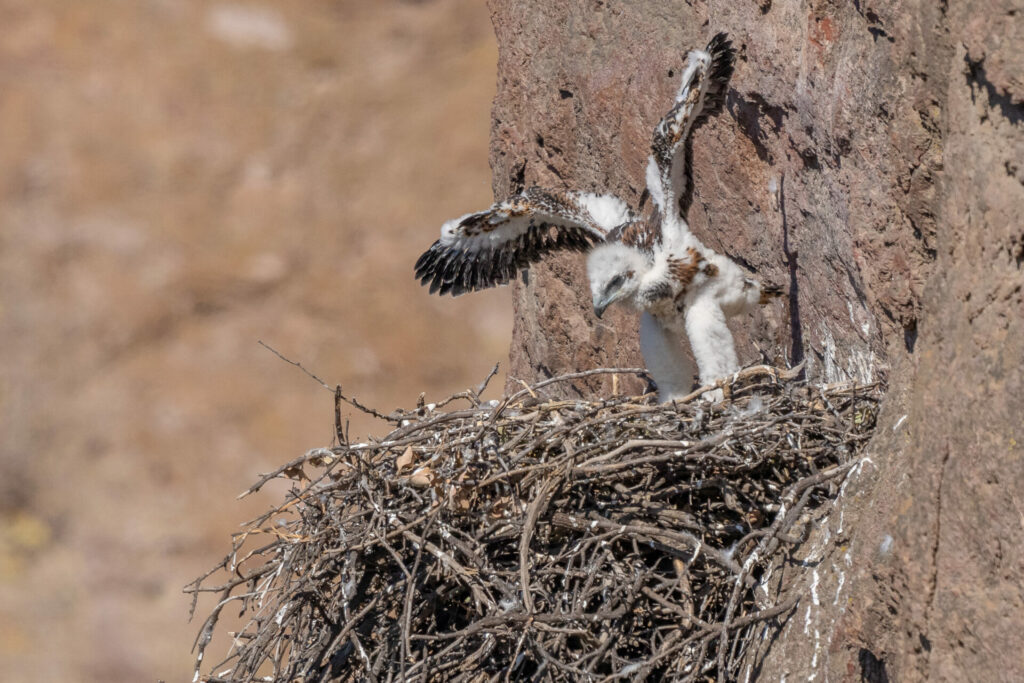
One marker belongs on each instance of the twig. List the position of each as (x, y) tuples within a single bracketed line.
[(487, 380), (573, 376), (336, 390), (564, 539), (295, 363), (776, 374), (529, 524)]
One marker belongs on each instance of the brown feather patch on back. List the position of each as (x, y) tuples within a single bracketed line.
[(643, 235), (684, 270)]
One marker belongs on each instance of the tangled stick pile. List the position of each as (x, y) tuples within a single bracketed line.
[(539, 539)]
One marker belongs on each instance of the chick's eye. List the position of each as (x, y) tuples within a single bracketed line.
[(615, 283)]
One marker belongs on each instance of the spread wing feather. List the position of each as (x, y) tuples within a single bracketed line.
[(488, 248), (644, 235), (701, 93)]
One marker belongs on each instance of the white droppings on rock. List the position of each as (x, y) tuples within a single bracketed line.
[(859, 364), (841, 581), (814, 659), (885, 547)]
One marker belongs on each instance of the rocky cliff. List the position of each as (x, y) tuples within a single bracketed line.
[(868, 158)]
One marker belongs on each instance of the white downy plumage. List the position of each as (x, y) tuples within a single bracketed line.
[(684, 289)]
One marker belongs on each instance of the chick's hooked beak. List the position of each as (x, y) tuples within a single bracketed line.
[(610, 293)]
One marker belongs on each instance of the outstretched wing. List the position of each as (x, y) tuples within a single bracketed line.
[(488, 248), (701, 92)]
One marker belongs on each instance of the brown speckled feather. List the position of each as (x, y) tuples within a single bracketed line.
[(644, 234), (492, 247), (686, 269), (669, 146)]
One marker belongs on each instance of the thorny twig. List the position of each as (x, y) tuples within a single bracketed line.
[(336, 390)]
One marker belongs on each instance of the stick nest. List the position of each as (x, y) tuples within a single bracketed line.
[(539, 539)]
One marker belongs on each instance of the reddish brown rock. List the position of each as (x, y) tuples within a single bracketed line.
[(869, 158)]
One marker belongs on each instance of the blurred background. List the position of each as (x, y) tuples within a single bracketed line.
[(179, 179)]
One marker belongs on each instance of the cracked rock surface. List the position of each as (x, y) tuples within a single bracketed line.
[(868, 159)]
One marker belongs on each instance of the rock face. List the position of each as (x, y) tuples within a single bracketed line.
[(870, 159)]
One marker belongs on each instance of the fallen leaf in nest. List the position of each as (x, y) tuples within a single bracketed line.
[(295, 473), (424, 476), (321, 460), (500, 507), (461, 497), (404, 460), (861, 418)]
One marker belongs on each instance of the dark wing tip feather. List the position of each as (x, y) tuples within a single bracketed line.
[(720, 41), (427, 259), (449, 270), (723, 58)]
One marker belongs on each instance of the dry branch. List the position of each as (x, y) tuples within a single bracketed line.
[(541, 539)]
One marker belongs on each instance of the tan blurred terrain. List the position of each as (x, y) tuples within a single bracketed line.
[(179, 179)]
